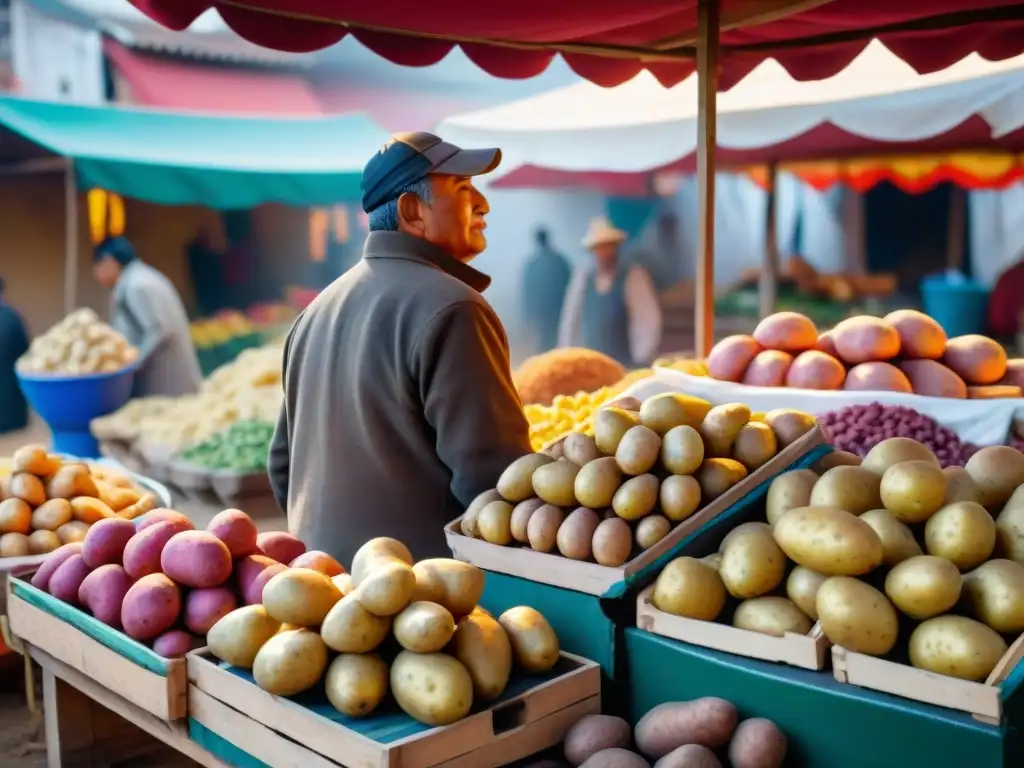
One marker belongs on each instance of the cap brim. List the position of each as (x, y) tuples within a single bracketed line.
[(470, 162)]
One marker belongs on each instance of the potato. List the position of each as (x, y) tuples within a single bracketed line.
[(433, 688), (789, 425), (864, 339), (356, 683), (997, 471), (610, 424), (315, 560), (239, 635), (424, 627), (575, 535), (830, 541), (103, 591), (67, 579), (1010, 530), (717, 476), (814, 369), (612, 542), (682, 450), (835, 459), (516, 482), (802, 588), (196, 559), (15, 517), (597, 482), (720, 427), (898, 542), (768, 369), (555, 483), (757, 743), (615, 758), (252, 574), (542, 530), (876, 377), (993, 593), (788, 491), (956, 646), (742, 529), (788, 331), (857, 616), (672, 409), (484, 648), (41, 578), (34, 460), (51, 515), (72, 532), (150, 607), (174, 644), (70, 481), (853, 489), (896, 450), (638, 450), (116, 498), (534, 643), (494, 523), (387, 589), (592, 733), (976, 359), (963, 533), (280, 546), (730, 357), (679, 496), (826, 344), (163, 515), (689, 756), (960, 486), (467, 523), (455, 585), (913, 490), (755, 445), (708, 721), (344, 583), (923, 586), (300, 596), (920, 336), (90, 510), (580, 449), (105, 541), (28, 488), (521, 515), (933, 379), (205, 607), (651, 530), (689, 588), (773, 616), (238, 532), (42, 542), (752, 565), (636, 498), (290, 662)]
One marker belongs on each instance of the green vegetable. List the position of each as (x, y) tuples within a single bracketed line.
[(243, 447)]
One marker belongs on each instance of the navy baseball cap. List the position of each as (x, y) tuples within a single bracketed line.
[(410, 157)]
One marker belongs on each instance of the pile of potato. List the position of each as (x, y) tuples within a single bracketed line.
[(79, 344), (412, 629), (890, 547), (906, 351), (647, 468), (46, 502)]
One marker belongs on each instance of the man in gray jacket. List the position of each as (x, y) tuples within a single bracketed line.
[(399, 402), (145, 308)]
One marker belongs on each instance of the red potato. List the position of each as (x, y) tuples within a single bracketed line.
[(933, 379), (758, 743), (53, 561), (730, 357), (865, 339), (103, 591), (280, 546), (768, 369), (826, 344), (163, 515), (252, 574), (67, 579), (196, 559), (920, 336), (1014, 376), (816, 370), (315, 560), (173, 644), (143, 550), (976, 359), (877, 377), (205, 607), (787, 332), (105, 541), (237, 530), (151, 607)]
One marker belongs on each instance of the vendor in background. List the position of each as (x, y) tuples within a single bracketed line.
[(13, 344), (612, 307), (1006, 304), (147, 311), (545, 281), (399, 403)]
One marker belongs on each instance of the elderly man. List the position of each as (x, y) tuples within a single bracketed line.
[(399, 403), (147, 311)]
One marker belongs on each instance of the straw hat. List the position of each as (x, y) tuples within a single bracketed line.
[(602, 232)]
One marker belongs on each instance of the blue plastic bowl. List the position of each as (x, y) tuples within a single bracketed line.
[(68, 403), (961, 308)]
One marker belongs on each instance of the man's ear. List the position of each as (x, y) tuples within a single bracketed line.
[(410, 217)]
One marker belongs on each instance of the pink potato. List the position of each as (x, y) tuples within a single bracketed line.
[(67, 579), (816, 370), (150, 607), (143, 550), (768, 369), (826, 344), (280, 546), (316, 560), (865, 339), (730, 357), (173, 644), (105, 541), (163, 515), (103, 591), (920, 336), (205, 607), (237, 530), (252, 574), (976, 359), (786, 331), (53, 561), (876, 377), (933, 379), (1014, 376), (196, 559)]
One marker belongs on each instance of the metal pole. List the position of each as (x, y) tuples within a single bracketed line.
[(70, 237), (770, 274), (707, 105)]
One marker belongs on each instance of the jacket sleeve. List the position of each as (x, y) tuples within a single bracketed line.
[(461, 366), (279, 458), (144, 308)]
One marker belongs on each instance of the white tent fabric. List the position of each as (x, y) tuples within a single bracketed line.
[(640, 125)]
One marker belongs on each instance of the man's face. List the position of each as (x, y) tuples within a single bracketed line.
[(453, 220), (605, 253), (106, 271)]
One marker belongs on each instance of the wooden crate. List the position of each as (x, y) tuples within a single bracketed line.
[(241, 724), (101, 653), (984, 701), (808, 651), (595, 579)]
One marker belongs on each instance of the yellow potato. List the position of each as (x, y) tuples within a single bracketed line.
[(72, 532), (956, 646), (450, 583), (651, 530), (534, 643), (997, 471), (752, 565), (789, 491), (356, 683), (90, 510), (993, 593), (896, 450), (682, 450), (716, 476), (755, 445), (424, 627), (555, 483), (679, 496), (52, 515), (484, 649), (963, 533), (238, 636), (387, 589), (580, 449), (597, 482), (720, 427), (744, 528), (898, 542), (542, 530), (802, 588), (14, 545), (350, 628), (610, 424), (300, 596), (28, 488), (41, 542), (923, 586), (774, 616), (377, 551), (960, 486), (913, 490), (689, 588), (290, 662), (34, 460), (853, 489), (433, 688), (494, 523), (612, 542), (575, 535), (835, 459), (344, 583), (636, 498), (857, 616), (15, 517), (789, 425), (638, 450), (467, 523), (516, 482), (829, 541), (663, 412), (1010, 531), (71, 480)]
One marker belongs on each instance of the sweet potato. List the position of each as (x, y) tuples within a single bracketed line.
[(1014, 376), (933, 379), (163, 515), (150, 607), (815, 370), (280, 546), (920, 336), (316, 560), (174, 644), (787, 332), (730, 357), (757, 743), (865, 339), (41, 578), (142, 552), (90, 510), (67, 579), (827, 344), (205, 607), (196, 559), (103, 591), (237, 530), (105, 541), (709, 722), (976, 359), (768, 369), (876, 377), (994, 392)]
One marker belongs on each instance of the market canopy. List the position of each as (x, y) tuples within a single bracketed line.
[(610, 41), (179, 159)]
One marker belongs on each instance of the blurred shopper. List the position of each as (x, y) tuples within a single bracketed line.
[(545, 281), (1006, 304), (13, 344), (147, 311), (612, 307)]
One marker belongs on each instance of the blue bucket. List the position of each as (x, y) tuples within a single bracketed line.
[(960, 307), (68, 403)]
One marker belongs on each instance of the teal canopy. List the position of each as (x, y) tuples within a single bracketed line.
[(220, 162)]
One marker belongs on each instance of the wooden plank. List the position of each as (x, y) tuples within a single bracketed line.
[(707, 106)]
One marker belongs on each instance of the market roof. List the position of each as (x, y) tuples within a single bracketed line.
[(610, 41), (179, 159)]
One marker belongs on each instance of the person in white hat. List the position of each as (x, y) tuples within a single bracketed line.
[(611, 307)]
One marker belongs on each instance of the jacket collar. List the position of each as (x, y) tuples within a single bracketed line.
[(399, 245)]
